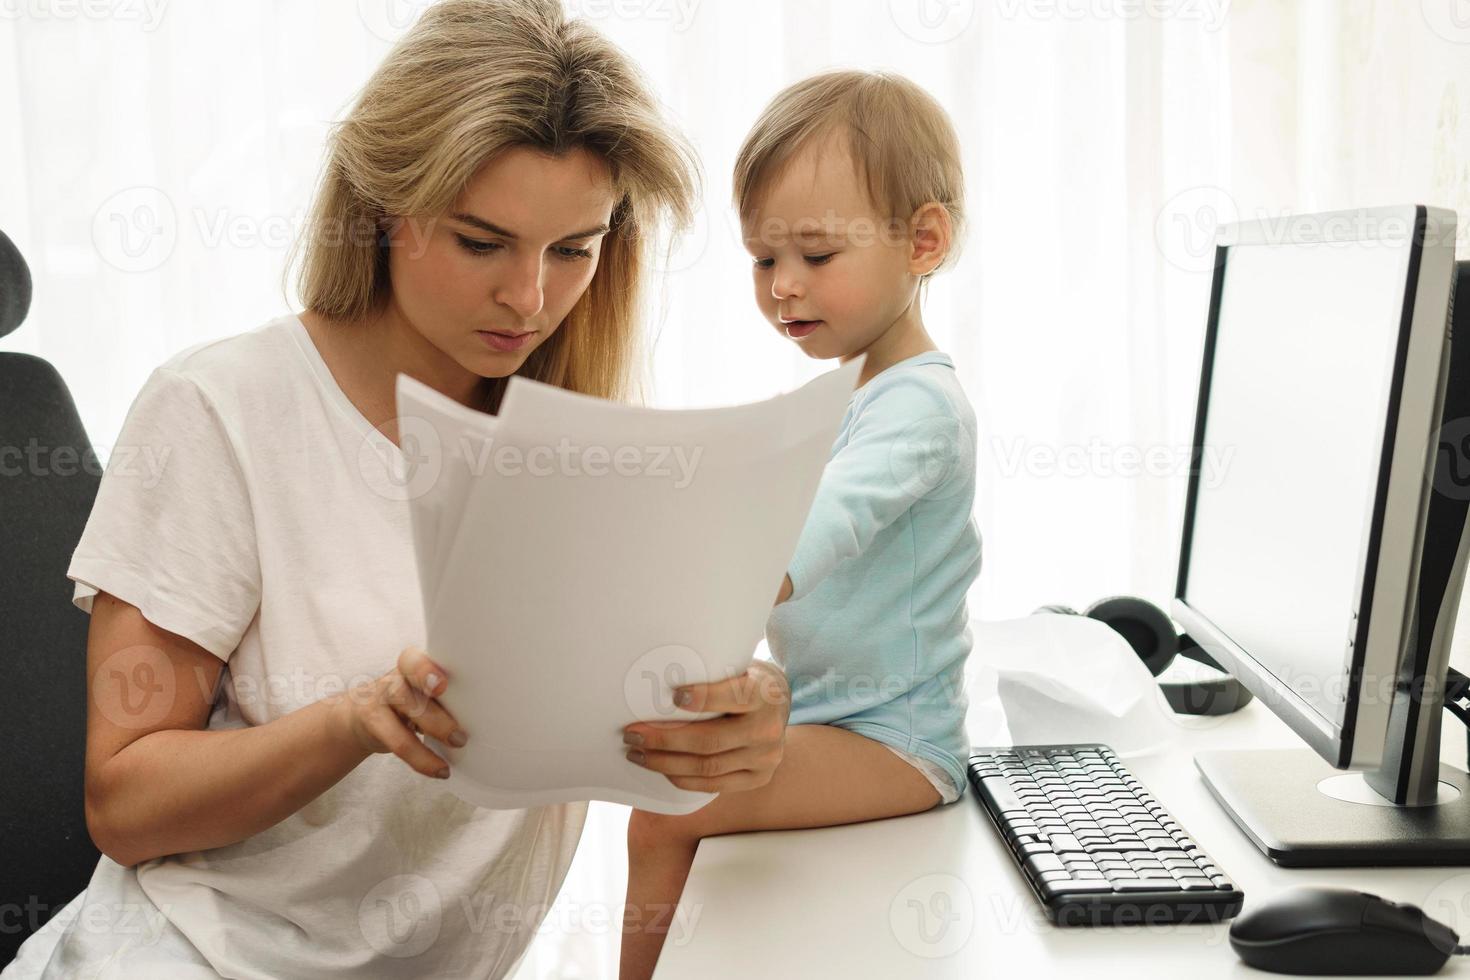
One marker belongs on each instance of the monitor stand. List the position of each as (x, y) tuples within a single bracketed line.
[(1303, 813)]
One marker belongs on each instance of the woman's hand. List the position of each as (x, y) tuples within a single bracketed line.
[(737, 751), (387, 714)]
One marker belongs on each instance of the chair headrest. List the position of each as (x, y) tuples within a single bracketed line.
[(15, 286)]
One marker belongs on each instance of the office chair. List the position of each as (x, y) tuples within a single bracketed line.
[(48, 480)]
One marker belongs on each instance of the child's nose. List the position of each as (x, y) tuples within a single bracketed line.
[(785, 284)]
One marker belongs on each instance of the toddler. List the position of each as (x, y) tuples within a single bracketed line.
[(850, 194)]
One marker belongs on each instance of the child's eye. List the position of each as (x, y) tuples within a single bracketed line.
[(819, 259), (572, 254), (764, 263), (476, 247)]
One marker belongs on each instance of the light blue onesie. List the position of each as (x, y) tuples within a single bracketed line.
[(875, 634)]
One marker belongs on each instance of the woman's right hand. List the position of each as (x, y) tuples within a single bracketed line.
[(387, 714)]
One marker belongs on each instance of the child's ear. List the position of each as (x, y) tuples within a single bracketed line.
[(931, 233)]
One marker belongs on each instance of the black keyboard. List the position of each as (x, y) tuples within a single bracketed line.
[(1094, 846)]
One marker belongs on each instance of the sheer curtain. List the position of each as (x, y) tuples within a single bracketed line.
[(160, 156)]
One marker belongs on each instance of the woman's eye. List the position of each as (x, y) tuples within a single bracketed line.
[(819, 259), (572, 254), (477, 247)]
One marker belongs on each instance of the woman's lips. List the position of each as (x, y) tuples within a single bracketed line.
[(505, 341), (797, 329)]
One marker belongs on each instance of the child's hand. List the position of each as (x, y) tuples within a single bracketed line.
[(786, 589), (739, 750)]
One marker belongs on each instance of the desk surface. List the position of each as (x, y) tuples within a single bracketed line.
[(937, 894)]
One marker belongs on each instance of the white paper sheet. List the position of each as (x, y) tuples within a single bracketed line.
[(589, 557)]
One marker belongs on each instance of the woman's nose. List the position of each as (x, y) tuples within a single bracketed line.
[(522, 289)]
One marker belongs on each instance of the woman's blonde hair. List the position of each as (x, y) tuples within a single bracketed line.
[(899, 137), (471, 79)]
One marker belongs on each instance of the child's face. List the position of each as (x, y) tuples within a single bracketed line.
[(829, 272)]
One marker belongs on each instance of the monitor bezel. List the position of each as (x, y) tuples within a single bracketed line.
[(1379, 634)]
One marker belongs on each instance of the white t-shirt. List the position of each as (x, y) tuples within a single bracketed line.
[(250, 507)]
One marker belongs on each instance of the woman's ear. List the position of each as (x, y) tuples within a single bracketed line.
[(931, 233)]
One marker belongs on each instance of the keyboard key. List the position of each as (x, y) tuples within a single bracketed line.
[(1037, 863), (1144, 885), (999, 793), (1053, 889)]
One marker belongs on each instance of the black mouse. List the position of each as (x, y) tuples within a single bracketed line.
[(1317, 931)]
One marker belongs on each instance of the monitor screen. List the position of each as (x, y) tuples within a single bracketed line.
[(1296, 413)]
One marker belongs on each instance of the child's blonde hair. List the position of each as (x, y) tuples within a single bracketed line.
[(901, 141), (471, 79)]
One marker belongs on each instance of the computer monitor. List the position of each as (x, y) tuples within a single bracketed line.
[(1319, 564)]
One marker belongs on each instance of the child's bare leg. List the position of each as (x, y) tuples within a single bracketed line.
[(827, 776)]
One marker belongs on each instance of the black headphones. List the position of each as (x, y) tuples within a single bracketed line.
[(1151, 634)]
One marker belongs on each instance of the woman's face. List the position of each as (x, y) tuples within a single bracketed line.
[(489, 281)]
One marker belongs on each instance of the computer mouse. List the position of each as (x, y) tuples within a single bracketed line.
[(1317, 931)]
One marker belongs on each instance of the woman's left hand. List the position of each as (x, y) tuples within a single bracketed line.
[(737, 751)]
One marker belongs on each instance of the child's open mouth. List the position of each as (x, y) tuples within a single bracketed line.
[(797, 329)]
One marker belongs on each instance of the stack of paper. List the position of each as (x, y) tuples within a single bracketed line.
[(579, 559)]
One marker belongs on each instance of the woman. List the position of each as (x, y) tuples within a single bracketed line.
[(485, 212)]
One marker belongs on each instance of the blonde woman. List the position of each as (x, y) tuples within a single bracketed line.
[(255, 778)]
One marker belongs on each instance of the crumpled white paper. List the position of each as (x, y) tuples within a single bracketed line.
[(1049, 679)]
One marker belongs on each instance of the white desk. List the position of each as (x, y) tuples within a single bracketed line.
[(847, 901)]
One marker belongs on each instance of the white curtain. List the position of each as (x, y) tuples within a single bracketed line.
[(158, 156)]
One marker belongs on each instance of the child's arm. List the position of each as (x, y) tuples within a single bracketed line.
[(906, 444)]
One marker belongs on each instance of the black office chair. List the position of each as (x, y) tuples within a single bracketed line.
[(48, 480)]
